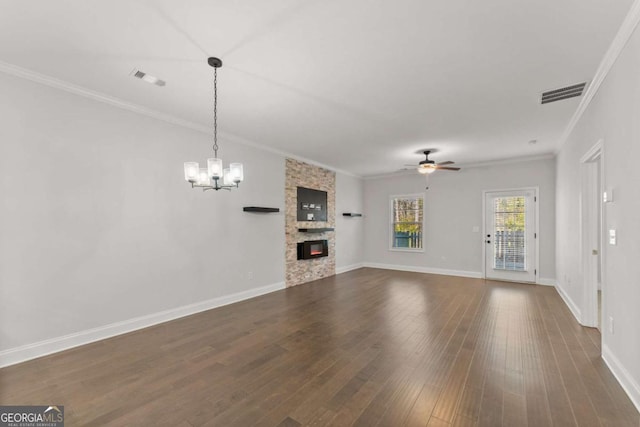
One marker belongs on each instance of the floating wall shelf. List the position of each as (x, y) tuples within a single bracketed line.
[(351, 214), (314, 230), (259, 209)]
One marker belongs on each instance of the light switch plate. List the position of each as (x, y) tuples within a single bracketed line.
[(612, 237)]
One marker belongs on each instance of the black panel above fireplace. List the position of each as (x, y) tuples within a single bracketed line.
[(312, 205), (313, 249)]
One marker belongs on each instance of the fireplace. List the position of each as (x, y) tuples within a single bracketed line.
[(313, 249)]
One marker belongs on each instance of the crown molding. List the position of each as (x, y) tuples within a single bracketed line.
[(511, 160), (285, 154), (43, 79), (401, 172), (508, 161), (619, 42)]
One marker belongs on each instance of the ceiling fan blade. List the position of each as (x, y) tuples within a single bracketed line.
[(447, 168), (448, 162)]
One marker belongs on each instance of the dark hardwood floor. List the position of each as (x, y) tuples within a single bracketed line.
[(365, 348)]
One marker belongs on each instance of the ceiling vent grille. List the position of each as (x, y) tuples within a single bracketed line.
[(148, 78), (562, 93)]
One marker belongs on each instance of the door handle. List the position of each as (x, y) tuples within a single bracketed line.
[(488, 241)]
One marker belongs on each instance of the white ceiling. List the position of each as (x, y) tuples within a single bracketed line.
[(359, 85)]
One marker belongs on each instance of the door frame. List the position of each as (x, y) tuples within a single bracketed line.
[(536, 193), (590, 202)]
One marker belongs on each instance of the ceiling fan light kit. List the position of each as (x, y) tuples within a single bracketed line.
[(209, 178), (425, 169), (428, 166)]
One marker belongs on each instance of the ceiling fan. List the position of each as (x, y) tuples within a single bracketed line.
[(429, 166)]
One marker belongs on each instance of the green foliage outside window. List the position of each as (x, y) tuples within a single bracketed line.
[(407, 220), (509, 213)]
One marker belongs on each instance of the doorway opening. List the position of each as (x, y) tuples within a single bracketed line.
[(591, 215)]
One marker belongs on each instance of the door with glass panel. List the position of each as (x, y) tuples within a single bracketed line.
[(510, 235)]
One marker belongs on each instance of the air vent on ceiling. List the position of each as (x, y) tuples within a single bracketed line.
[(148, 78), (562, 93)]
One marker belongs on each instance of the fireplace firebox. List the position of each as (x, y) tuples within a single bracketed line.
[(313, 249)]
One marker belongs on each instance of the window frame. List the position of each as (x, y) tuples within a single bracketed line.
[(390, 230)]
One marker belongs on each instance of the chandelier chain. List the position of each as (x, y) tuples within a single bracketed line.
[(215, 112)]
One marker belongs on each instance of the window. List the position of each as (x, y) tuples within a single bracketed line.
[(509, 249), (407, 222)]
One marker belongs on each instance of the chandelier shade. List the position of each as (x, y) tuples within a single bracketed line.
[(215, 167), (237, 174), (191, 171), (203, 178)]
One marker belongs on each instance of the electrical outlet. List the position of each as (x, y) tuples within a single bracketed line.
[(250, 275), (611, 330)]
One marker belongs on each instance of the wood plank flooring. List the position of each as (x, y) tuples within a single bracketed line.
[(365, 348)]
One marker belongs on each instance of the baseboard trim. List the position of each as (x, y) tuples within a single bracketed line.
[(569, 303), (430, 270), (23, 353), (349, 268), (546, 281), (629, 385)]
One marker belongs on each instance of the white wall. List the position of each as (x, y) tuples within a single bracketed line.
[(100, 234), (453, 206), (98, 225), (349, 231), (613, 116)]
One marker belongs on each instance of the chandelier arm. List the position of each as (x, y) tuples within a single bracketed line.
[(216, 186), (223, 187)]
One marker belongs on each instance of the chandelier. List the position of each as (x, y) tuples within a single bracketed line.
[(214, 176)]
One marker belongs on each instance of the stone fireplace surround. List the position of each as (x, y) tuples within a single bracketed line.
[(300, 174)]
